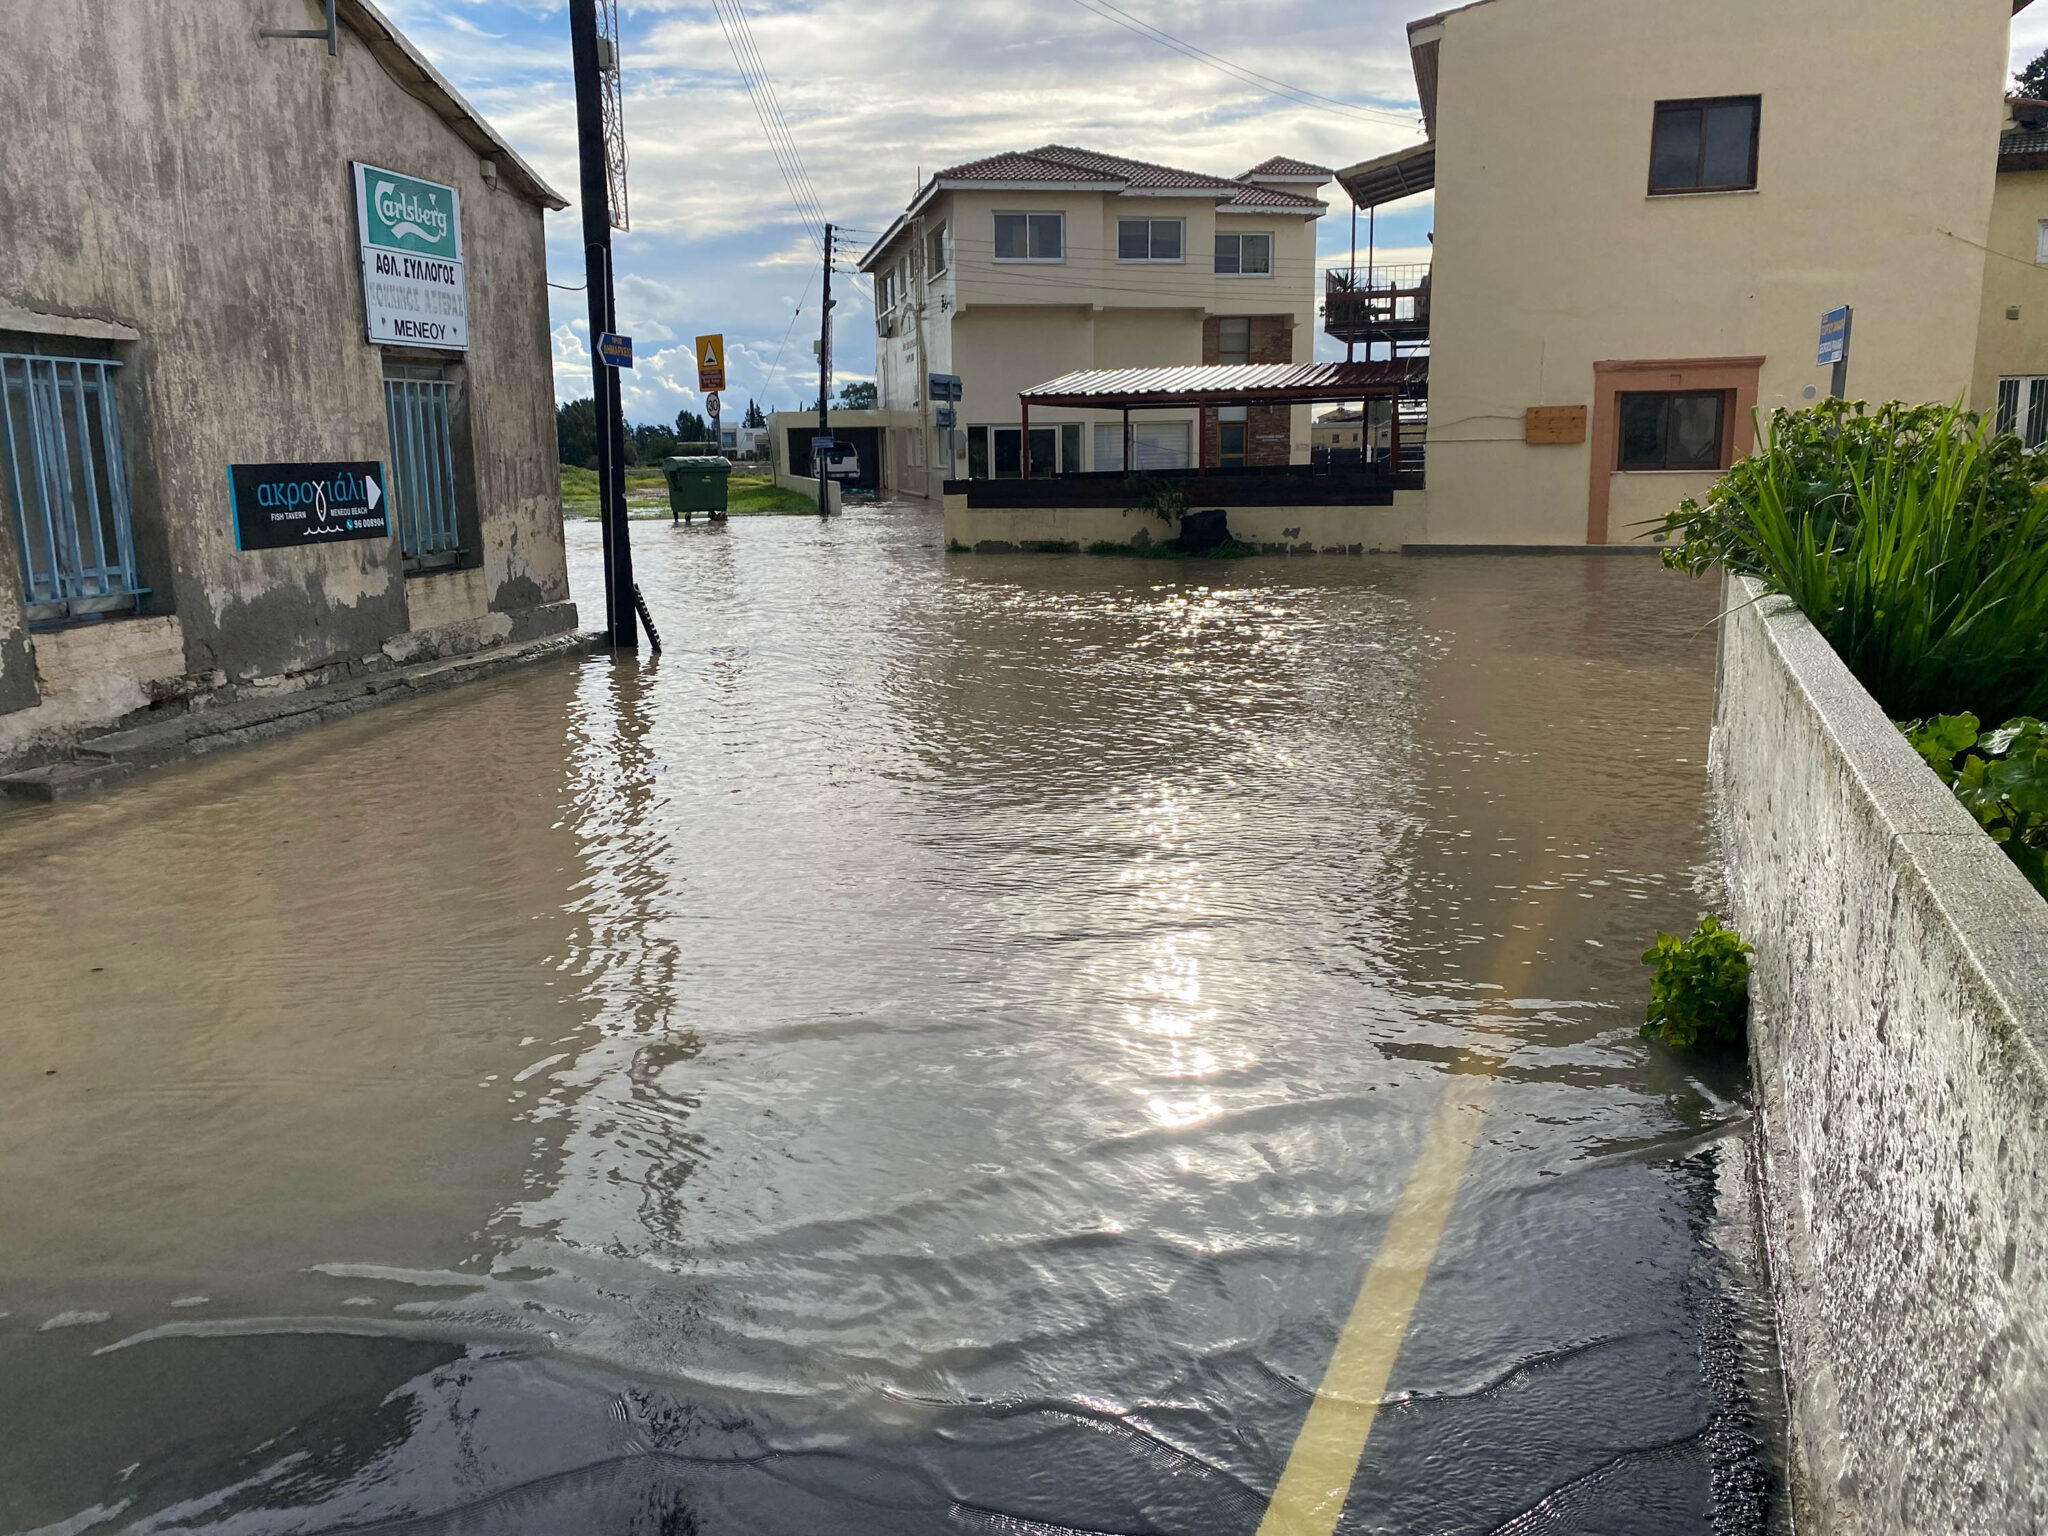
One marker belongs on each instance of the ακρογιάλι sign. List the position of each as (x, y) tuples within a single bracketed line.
[(278, 506), (414, 291)]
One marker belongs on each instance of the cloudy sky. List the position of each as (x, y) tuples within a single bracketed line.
[(878, 95)]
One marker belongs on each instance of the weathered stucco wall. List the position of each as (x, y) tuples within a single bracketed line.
[(1291, 530), (1899, 1040), (189, 179)]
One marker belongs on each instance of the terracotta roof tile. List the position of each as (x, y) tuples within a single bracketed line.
[(1281, 165)]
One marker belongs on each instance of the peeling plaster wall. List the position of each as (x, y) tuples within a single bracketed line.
[(89, 675), (17, 659), (1900, 1044), (191, 180)]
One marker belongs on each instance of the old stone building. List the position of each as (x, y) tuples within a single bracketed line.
[(275, 356)]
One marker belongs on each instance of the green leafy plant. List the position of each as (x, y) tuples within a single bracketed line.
[(1162, 498), (1914, 538), (2000, 776), (1700, 993)]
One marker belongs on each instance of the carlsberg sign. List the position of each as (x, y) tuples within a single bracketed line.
[(414, 293)]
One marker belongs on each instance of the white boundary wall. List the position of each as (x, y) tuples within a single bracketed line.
[(1900, 1044)]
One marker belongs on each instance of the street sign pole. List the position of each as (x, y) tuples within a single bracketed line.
[(1835, 328), (1839, 382), (621, 627)]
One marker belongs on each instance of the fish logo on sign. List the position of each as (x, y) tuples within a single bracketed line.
[(710, 363)]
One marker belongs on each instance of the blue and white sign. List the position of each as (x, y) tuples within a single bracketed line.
[(1834, 337), (615, 351)]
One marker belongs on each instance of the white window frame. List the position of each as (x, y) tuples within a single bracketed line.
[(936, 253), (1246, 322), (1240, 236), (1027, 216), (1148, 259)]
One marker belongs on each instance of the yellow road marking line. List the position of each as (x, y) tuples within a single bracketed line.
[(1317, 1481)]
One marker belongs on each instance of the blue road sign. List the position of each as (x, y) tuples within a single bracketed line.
[(944, 386), (615, 351), (945, 415), (1834, 337)]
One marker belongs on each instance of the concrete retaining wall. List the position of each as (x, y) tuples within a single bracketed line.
[(1899, 1040), (1294, 530)]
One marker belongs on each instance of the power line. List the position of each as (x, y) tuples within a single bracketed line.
[(1298, 94), (777, 369)]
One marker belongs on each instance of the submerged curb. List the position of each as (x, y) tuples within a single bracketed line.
[(100, 761)]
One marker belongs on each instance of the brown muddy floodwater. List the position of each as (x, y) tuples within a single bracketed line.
[(936, 1050)]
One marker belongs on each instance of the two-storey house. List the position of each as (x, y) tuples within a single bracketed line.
[(1021, 267), (1642, 212)]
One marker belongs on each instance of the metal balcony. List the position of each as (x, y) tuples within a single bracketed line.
[(1389, 304)]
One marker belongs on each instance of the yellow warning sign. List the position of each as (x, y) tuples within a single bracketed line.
[(710, 362)]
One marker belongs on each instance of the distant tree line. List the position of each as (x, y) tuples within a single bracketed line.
[(647, 443)]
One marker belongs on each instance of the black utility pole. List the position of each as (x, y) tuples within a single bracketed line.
[(824, 377), (621, 631)]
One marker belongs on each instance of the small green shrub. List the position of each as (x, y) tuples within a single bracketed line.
[(1051, 546), (1700, 994), (1110, 547), (1162, 498), (2001, 776), (1915, 539)]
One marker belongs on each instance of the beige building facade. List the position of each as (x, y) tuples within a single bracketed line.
[(1642, 212), (1014, 270), (2012, 342)]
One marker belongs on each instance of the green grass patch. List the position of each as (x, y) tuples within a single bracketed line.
[(747, 495)]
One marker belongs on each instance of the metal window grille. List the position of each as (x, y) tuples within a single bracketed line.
[(2023, 409), (63, 473), (422, 462)]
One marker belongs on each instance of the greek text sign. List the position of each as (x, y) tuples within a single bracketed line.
[(615, 351), (414, 291), (710, 362), (280, 506)]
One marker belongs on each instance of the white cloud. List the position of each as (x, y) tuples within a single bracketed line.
[(877, 99)]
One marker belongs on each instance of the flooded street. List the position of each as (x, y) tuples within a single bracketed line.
[(939, 1049)]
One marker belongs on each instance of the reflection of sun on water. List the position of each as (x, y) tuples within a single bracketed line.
[(1167, 1020)]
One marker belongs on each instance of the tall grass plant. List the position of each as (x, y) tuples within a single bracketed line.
[(1915, 539)]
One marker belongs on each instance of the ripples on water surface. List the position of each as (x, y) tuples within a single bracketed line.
[(934, 1051)]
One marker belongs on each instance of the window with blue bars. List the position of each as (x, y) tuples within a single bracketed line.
[(65, 484), (417, 399)]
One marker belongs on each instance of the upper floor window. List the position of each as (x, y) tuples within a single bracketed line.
[(1244, 255), (1031, 237), (935, 251), (1234, 339), (1151, 239), (1705, 146), (1672, 430)]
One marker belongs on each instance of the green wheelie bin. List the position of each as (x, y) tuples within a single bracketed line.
[(696, 484)]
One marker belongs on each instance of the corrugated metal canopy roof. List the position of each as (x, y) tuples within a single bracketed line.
[(1227, 384), (1390, 178)]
